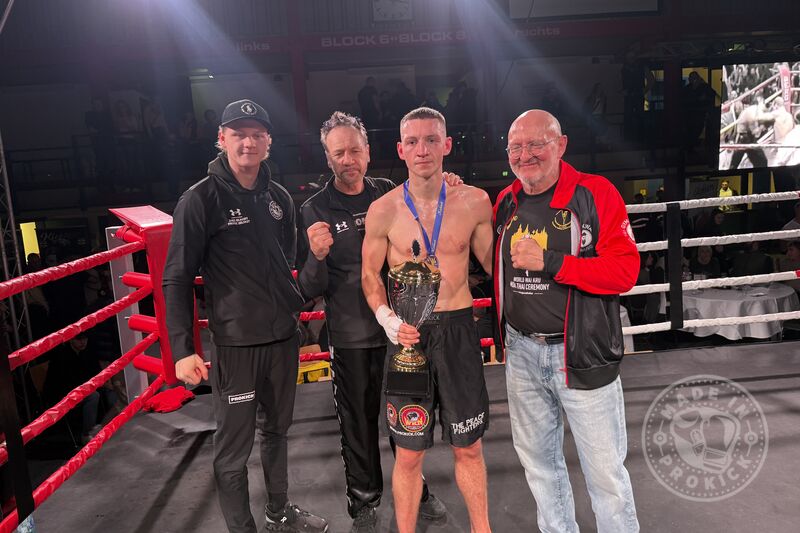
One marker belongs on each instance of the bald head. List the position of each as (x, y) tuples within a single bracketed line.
[(537, 118), (535, 148)]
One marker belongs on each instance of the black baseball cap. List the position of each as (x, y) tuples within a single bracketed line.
[(245, 109)]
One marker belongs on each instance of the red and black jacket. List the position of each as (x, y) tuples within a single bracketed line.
[(604, 263)]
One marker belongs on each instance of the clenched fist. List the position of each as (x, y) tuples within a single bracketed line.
[(320, 239), (528, 255)]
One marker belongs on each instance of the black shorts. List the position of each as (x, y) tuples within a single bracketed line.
[(450, 341)]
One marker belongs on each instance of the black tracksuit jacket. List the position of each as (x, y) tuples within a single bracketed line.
[(351, 323), (243, 243)]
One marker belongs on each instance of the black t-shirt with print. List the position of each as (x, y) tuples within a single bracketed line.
[(356, 205), (533, 302)]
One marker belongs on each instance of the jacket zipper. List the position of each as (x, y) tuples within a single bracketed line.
[(575, 220), (499, 266)]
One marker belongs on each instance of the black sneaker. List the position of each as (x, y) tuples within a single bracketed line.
[(366, 521), (292, 519), (432, 509)]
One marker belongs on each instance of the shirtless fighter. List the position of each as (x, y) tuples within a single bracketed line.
[(449, 337)]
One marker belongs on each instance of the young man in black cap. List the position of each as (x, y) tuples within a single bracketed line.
[(237, 227)]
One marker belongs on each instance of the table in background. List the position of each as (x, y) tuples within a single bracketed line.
[(742, 301)]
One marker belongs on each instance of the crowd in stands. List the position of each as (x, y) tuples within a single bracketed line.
[(128, 144), (381, 110), (707, 262)]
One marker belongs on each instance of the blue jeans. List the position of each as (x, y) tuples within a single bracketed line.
[(537, 392)]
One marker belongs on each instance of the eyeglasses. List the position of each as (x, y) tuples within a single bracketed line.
[(534, 147)]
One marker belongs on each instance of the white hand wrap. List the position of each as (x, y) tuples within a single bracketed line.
[(390, 322)]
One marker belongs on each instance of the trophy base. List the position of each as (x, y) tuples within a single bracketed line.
[(416, 384), (408, 374)]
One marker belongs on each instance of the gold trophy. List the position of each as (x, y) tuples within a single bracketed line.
[(413, 290)]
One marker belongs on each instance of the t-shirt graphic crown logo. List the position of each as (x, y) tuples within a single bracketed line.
[(540, 236)]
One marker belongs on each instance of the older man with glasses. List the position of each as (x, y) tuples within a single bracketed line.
[(564, 251)]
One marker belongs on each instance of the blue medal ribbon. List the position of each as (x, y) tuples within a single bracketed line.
[(430, 244)]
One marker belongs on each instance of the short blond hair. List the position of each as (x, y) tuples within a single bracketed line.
[(422, 113)]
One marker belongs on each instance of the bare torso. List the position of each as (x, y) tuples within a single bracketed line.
[(458, 224)]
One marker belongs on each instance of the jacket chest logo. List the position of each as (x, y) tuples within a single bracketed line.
[(275, 210), (562, 220), (342, 226), (586, 237), (236, 218)]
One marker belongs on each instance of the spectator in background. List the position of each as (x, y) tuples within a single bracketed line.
[(454, 108), (698, 101), (388, 117), (551, 100), (789, 262), (207, 134), (710, 226), (432, 101), (65, 296), (724, 192), (752, 261), (469, 114), (208, 129), (794, 223), (104, 337), (704, 264), (594, 108), (389, 123), (127, 128), (645, 307), (155, 125), (160, 147), (101, 133), (713, 226), (38, 307), (189, 148), (637, 80), (187, 129), (403, 100), (72, 364), (641, 223), (34, 262), (125, 122), (369, 104)]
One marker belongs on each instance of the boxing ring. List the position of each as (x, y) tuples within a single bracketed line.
[(161, 462)]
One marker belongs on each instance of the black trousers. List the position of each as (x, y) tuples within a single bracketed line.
[(253, 387), (357, 396), (357, 376)]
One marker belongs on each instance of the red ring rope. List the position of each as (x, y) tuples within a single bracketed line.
[(77, 395), (35, 349), (49, 486), (34, 279)]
